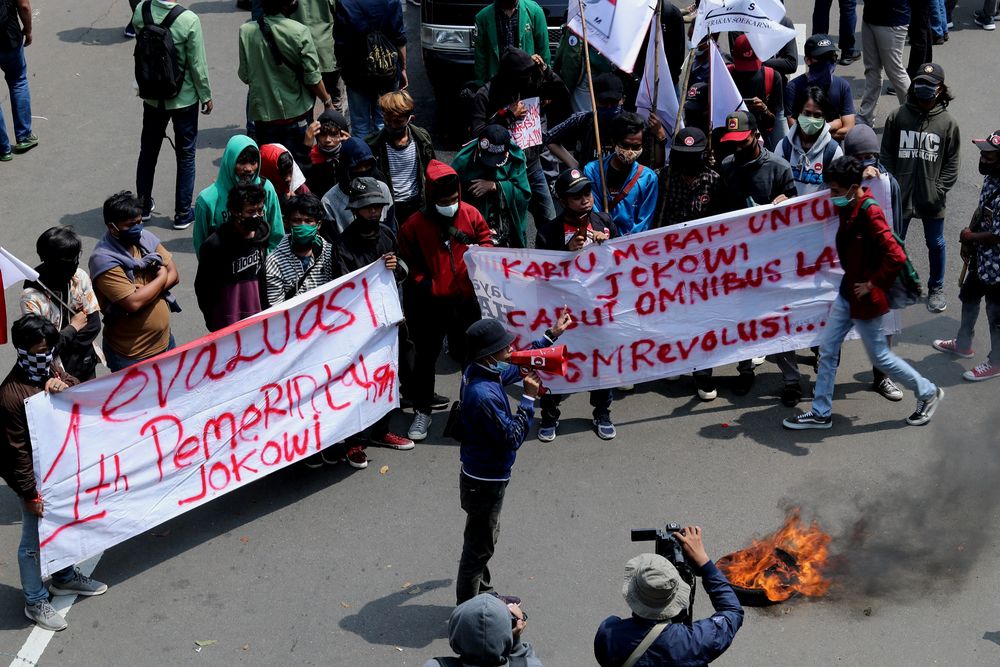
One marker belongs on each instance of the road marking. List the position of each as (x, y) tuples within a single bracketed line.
[(38, 640), (800, 42)]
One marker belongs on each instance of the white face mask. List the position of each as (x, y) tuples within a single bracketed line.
[(447, 211)]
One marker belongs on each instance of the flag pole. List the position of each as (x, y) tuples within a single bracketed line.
[(593, 107), (55, 297), (685, 77), (657, 27)]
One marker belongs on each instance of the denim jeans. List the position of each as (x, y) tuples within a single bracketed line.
[(939, 18), (116, 362), (29, 564), (934, 238), (838, 324), (366, 117), (154, 127), (971, 295), (482, 501), (848, 21), (541, 206), (15, 71)]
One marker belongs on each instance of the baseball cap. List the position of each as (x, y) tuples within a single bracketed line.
[(696, 98), (364, 191), (571, 182), (739, 125), (744, 58), (690, 140), (608, 88), (819, 45), (990, 143), (491, 146), (930, 72)]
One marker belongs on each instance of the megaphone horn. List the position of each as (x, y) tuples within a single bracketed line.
[(547, 359)]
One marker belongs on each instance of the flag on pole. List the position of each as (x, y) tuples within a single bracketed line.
[(666, 99), (723, 95), (612, 26), (759, 19), (12, 270)]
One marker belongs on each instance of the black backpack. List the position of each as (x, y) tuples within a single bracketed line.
[(157, 71), (381, 58)]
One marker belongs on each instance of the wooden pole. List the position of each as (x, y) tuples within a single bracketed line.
[(657, 45), (593, 106), (685, 77)]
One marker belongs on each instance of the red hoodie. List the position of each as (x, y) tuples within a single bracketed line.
[(430, 250)]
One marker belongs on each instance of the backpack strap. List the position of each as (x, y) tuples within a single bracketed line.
[(769, 75), (171, 16), (647, 641), (828, 152), (620, 197), (272, 44)]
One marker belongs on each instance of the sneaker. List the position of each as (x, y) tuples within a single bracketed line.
[(7, 157), (418, 429), (706, 388), (332, 455), (356, 457), (983, 21), (890, 90), (547, 432), (744, 383), (951, 347), (129, 32), (950, 25), (605, 428), (438, 402), (80, 584), (984, 371), (849, 57), (935, 300), (393, 441), (758, 361), (146, 215), (45, 616), (807, 420), (925, 409), (888, 389), (791, 394), (627, 387), (314, 461), (183, 223), (26, 144)]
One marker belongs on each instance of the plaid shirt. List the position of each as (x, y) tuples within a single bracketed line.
[(683, 202), (507, 28)]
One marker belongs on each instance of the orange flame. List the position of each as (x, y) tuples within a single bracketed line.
[(791, 560)]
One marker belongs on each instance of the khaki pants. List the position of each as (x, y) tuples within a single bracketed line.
[(882, 47)]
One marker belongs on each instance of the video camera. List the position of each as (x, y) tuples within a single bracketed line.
[(667, 545)]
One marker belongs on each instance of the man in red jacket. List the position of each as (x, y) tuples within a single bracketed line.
[(438, 298), (871, 259)]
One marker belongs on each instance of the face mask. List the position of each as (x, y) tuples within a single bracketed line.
[(608, 113), (821, 74), (255, 223), (626, 155), (332, 152), (810, 126), (132, 235), (746, 152), (447, 211), (841, 202), (689, 164), (498, 366), (925, 92), (304, 235), (989, 169), (36, 366), (246, 179), (60, 273), (396, 132)]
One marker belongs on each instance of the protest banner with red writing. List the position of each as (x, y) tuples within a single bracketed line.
[(122, 453), (670, 301), (527, 132)]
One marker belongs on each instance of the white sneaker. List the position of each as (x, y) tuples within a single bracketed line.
[(45, 616), (418, 429), (757, 361)]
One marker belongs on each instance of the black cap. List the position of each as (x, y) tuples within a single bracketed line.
[(819, 45), (690, 140), (739, 125), (571, 182), (696, 98), (492, 145), (930, 72), (486, 337), (990, 143), (608, 88), (334, 117)]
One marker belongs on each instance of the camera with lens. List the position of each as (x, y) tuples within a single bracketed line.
[(668, 546)]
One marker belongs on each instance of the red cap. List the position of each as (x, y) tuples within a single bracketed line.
[(744, 58)]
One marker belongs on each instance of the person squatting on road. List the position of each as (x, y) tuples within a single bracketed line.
[(484, 632)]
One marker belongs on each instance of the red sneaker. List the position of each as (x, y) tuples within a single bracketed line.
[(951, 347), (984, 371), (356, 457), (393, 441)]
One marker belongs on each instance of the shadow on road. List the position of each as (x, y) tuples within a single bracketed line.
[(94, 36), (390, 620)]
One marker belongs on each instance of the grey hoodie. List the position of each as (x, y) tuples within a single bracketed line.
[(809, 178), (479, 632)]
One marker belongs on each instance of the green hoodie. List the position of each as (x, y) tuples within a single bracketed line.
[(921, 149), (512, 181), (210, 209)]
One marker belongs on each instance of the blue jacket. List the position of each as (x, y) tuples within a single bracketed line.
[(679, 645), (492, 433), (634, 213)]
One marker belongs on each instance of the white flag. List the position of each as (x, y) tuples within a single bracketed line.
[(666, 100), (14, 270), (759, 19), (723, 95), (614, 27)]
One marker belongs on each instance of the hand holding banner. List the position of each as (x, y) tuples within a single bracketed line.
[(527, 132)]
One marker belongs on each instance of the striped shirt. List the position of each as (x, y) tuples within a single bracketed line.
[(285, 270), (403, 171)]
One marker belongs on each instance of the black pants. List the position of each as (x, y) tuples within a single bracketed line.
[(482, 502), (921, 39), (331, 81), (600, 400)]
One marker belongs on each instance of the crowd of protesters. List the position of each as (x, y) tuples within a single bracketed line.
[(300, 200)]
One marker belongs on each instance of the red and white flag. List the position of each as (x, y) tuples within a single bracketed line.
[(12, 270), (724, 97)]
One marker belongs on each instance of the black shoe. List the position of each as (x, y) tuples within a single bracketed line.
[(245, 5), (807, 420), (849, 57), (744, 383), (438, 402), (791, 395)]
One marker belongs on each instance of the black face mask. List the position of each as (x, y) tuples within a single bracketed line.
[(57, 273), (396, 132), (989, 169), (688, 164), (746, 152)]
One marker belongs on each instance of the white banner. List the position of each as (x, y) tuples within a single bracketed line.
[(759, 19), (614, 27), (527, 132), (125, 452), (670, 301)]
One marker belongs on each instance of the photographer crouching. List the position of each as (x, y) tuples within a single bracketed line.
[(491, 435), (656, 635)]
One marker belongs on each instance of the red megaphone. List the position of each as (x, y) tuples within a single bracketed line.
[(548, 359)]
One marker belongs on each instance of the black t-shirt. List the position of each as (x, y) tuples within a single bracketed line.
[(10, 26)]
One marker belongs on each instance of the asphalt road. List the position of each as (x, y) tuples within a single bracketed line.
[(343, 567)]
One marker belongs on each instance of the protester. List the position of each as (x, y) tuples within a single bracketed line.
[(573, 141), (871, 259), (240, 164), (505, 24), (133, 274), (64, 296), (921, 41), (278, 167), (631, 188), (370, 41), (324, 138), (986, 16), (569, 65), (303, 260), (480, 633), (495, 180), (659, 598), (356, 160), (318, 16), (848, 22), (883, 35), (278, 62), (821, 58), (810, 148), (438, 299), (578, 227), (402, 151), (981, 250), (180, 110), (36, 341), (491, 436), (761, 87), (15, 34), (920, 147), (231, 283)]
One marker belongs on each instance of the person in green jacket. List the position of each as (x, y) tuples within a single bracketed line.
[(317, 15), (494, 177), (181, 110), (240, 164), (506, 23), (568, 63)]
